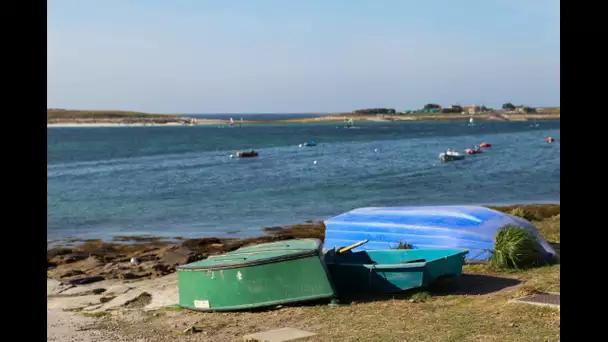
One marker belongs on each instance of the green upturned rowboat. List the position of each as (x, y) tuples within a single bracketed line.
[(256, 276), (391, 270)]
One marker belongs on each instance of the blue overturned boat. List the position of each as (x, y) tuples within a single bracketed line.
[(444, 227)]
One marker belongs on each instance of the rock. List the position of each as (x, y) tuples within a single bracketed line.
[(140, 301), (176, 256), (71, 273), (283, 334), (131, 275), (104, 300), (54, 287), (86, 280), (191, 330)]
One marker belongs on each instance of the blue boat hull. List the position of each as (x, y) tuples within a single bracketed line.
[(461, 227), (390, 271)]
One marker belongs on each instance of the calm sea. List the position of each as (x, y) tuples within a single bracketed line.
[(180, 181)]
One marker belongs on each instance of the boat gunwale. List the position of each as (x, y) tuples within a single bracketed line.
[(399, 265), (292, 256)]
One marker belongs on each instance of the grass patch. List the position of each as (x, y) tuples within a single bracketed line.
[(175, 308), (516, 247), (57, 114), (523, 213), (420, 297)]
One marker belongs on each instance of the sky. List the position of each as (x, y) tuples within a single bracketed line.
[(300, 56)]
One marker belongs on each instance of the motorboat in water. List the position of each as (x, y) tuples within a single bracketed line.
[(450, 155), (473, 150), (549, 139), (485, 144), (247, 154)]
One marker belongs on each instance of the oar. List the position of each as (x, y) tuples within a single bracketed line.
[(348, 248)]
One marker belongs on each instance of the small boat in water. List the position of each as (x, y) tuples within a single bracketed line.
[(257, 276), (549, 139), (391, 270), (310, 144), (485, 144), (450, 155), (247, 154), (473, 150)]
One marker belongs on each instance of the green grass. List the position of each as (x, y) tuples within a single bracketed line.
[(420, 297), (63, 114), (515, 247), (175, 308), (403, 245)]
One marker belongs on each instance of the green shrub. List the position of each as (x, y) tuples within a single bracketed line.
[(516, 247), (403, 245), (525, 214)]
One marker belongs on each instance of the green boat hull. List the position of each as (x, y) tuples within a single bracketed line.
[(256, 281), (390, 271)]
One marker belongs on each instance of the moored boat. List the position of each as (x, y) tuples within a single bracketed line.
[(473, 150), (247, 154), (450, 155), (391, 270), (257, 276)]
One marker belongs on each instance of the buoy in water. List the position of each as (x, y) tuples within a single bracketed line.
[(315, 162), (375, 150), (232, 156), (300, 145)]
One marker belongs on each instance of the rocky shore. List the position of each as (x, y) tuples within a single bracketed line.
[(145, 257)]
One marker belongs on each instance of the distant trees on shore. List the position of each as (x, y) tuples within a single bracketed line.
[(430, 106), (371, 111), (508, 106)]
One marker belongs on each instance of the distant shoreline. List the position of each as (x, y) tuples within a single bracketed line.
[(179, 121)]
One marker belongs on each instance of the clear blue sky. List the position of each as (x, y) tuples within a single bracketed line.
[(229, 56)]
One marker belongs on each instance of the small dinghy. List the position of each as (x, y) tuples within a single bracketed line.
[(247, 154), (473, 150), (390, 270), (450, 155), (257, 276)]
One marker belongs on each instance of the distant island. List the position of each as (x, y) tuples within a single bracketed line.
[(509, 112)]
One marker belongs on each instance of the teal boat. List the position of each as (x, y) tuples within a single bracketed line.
[(391, 270), (257, 276)]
